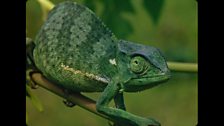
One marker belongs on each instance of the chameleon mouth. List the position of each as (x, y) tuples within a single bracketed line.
[(162, 76), (143, 83), (150, 79)]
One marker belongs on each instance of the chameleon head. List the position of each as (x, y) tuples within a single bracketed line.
[(146, 66)]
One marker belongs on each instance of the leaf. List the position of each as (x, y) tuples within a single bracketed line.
[(90, 4), (154, 8), (120, 26), (33, 99), (112, 16), (124, 5)]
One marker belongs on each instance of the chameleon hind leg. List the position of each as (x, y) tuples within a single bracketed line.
[(120, 116), (66, 101)]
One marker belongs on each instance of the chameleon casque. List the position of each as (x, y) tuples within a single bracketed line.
[(76, 51)]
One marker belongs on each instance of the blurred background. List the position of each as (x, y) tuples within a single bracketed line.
[(170, 26)]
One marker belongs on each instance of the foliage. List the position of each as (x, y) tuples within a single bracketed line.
[(154, 8), (113, 10), (112, 13)]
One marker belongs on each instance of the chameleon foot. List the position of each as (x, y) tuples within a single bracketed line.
[(115, 124), (29, 80), (139, 122), (149, 122), (112, 124), (68, 103)]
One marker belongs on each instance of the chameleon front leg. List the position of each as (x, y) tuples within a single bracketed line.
[(118, 115)]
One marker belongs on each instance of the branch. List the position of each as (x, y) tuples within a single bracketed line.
[(75, 98), (183, 67)]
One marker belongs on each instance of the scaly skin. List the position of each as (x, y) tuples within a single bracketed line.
[(78, 52), (73, 36)]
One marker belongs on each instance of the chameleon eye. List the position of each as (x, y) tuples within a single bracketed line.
[(139, 65)]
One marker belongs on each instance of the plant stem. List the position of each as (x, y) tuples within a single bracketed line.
[(182, 67)]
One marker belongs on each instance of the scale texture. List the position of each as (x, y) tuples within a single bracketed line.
[(76, 49)]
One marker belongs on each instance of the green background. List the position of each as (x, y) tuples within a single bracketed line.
[(173, 103)]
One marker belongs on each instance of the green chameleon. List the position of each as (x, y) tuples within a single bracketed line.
[(76, 51)]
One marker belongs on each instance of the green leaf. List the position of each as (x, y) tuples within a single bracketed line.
[(124, 5), (33, 99), (90, 4), (120, 26), (154, 8), (112, 16)]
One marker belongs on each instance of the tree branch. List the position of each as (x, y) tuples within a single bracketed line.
[(182, 67), (75, 98)]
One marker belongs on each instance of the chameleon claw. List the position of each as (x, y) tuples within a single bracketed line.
[(110, 123), (155, 123), (114, 124), (29, 80), (68, 103), (33, 85)]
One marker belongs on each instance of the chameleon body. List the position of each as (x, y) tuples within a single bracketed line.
[(75, 50)]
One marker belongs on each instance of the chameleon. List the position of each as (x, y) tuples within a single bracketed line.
[(78, 52)]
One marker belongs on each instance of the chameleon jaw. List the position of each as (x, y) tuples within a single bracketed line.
[(139, 84)]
